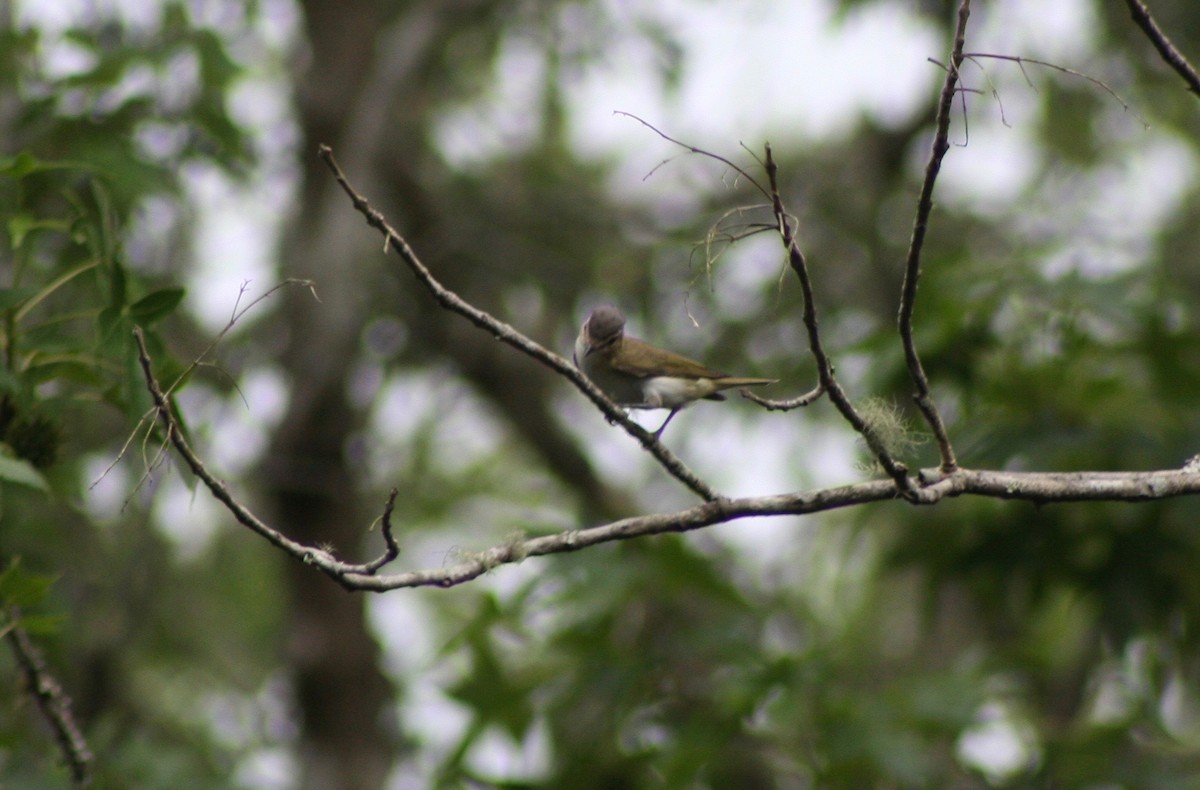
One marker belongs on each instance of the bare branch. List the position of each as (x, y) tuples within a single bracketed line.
[(912, 267), (147, 419), (392, 550), (1021, 61), (693, 149), (52, 701), (317, 557), (1167, 50), (786, 404), (1036, 487), (1047, 487), (507, 334)]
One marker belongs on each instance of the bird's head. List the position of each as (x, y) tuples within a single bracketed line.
[(604, 327)]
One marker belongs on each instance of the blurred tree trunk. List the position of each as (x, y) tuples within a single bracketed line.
[(343, 698), (372, 73)]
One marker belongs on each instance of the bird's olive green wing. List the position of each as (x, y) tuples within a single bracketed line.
[(635, 357)]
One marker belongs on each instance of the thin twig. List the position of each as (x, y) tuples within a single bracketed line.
[(51, 700), (720, 237), (507, 334), (912, 267), (318, 557), (236, 315), (1167, 50), (786, 404), (392, 550), (994, 90), (693, 149), (1021, 61), (147, 419)]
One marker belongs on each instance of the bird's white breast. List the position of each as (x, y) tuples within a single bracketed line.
[(669, 392)]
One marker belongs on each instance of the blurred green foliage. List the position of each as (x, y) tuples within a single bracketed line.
[(107, 602), (876, 648)]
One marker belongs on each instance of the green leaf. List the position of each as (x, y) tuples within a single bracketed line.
[(40, 295), (22, 225), (20, 472), (155, 306), (11, 297), (19, 587), (108, 320), (20, 165), (107, 223), (77, 371), (25, 163), (43, 625), (117, 287), (9, 381), (217, 69)]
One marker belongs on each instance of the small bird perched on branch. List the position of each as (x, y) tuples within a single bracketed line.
[(635, 374)]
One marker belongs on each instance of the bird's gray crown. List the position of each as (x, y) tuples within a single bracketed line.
[(605, 323)]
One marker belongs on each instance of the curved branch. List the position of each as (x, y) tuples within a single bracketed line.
[(1167, 50), (786, 404), (698, 517), (509, 335), (320, 558), (391, 548), (694, 150), (912, 267)]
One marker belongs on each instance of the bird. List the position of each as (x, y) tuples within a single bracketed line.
[(637, 375)]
